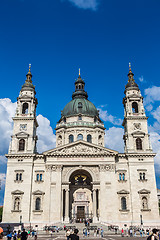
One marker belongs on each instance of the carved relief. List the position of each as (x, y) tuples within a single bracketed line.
[(53, 168), (137, 126), (108, 167)]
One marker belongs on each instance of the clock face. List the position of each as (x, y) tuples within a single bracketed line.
[(23, 127)]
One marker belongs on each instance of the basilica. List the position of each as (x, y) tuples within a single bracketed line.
[(80, 178)]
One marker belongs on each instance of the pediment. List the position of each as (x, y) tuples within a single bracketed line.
[(38, 192), (17, 192), (22, 134), (138, 133), (81, 148), (144, 191), (123, 192)]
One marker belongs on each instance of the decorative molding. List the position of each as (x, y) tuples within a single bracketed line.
[(107, 167), (144, 191), (38, 192), (123, 192), (54, 168), (17, 192)]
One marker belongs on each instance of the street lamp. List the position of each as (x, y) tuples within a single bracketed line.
[(141, 220)]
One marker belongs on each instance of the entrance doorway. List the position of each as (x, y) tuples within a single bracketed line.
[(80, 213)]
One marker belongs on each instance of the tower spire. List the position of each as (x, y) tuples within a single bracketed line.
[(79, 72), (29, 75), (130, 74)]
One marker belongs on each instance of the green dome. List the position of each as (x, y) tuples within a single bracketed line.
[(80, 106)]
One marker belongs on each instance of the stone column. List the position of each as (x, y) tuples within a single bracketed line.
[(99, 203), (67, 206), (62, 204), (94, 206)]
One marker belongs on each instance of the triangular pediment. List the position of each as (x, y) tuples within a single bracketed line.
[(80, 148), (38, 192), (144, 191), (17, 192), (123, 192)]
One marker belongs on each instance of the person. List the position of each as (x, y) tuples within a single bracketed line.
[(15, 235), (35, 235), (19, 235), (68, 233), (9, 235), (88, 232), (24, 235), (122, 232), (154, 235), (97, 232), (32, 233), (131, 233), (102, 232), (74, 236)]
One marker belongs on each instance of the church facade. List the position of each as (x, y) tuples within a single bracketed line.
[(80, 178)]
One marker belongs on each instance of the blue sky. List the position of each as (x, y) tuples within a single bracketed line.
[(59, 36)]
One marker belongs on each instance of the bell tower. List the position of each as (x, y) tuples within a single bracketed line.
[(24, 136), (136, 137)]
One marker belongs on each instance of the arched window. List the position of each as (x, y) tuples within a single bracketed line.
[(123, 177), (37, 177), (59, 140), (38, 204), (134, 107), (89, 138), (79, 105), (21, 145), (140, 176), (71, 138), (100, 139), (20, 176), (120, 176), (25, 108), (80, 137), (144, 203), (144, 176), (41, 177), (17, 204), (138, 144), (123, 203), (17, 176)]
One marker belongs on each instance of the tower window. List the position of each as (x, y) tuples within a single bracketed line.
[(80, 117), (38, 204), (79, 105), (80, 137), (123, 177), (71, 138), (134, 107), (89, 138), (123, 203), (120, 176), (138, 144), (25, 108), (21, 145)]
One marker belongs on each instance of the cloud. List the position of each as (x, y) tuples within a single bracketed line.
[(46, 138), (141, 79), (151, 95), (86, 4), (108, 117), (2, 180), (114, 139)]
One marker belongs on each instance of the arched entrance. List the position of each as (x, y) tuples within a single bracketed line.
[(81, 197)]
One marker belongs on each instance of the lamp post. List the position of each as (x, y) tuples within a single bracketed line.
[(141, 220), (20, 221)]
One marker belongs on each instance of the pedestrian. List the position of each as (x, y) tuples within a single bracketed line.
[(74, 236), (32, 233), (15, 236), (9, 235), (19, 235), (24, 235), (68, 233), (131, 232), (35, 235), (122, 232), (102, 232), (140, 231), (95, 232), (98, 232), (88, 232), (154, 235), (135, 232)]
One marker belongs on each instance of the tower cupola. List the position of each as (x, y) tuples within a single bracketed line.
[(79, 88), (131, 82)]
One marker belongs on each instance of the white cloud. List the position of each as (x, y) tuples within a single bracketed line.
[(86, 4), (152, 95), (109, 118), (46, 138), (114, 139), (2, 180), (141, 79)]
